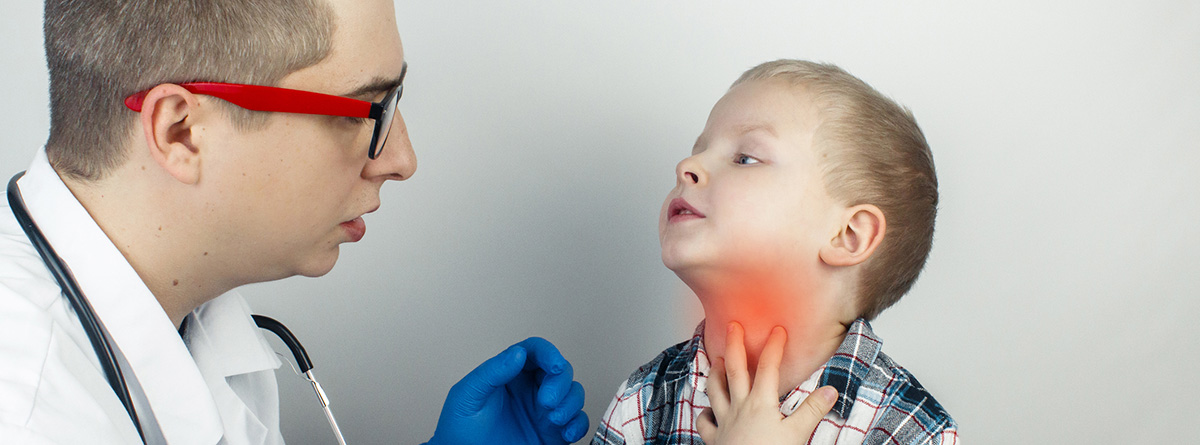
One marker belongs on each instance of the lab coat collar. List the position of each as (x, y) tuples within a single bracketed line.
[(174, 386), (225, 341), (229, 349)]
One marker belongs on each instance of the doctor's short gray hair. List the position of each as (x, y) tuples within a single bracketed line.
[(100, 51)]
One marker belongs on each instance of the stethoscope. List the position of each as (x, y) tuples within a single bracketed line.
[(98, 335)]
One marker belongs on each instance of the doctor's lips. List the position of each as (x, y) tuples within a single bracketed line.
[(680, 210), (356, 227)]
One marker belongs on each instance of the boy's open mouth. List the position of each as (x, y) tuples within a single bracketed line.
[(679, 209)]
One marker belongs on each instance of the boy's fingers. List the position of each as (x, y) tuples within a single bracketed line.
[(706, 425), (718, 396), (737, 378), (812, 410), (766, 379)]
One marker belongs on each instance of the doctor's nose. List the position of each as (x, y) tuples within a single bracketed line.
[(397, 161), (690, 172)]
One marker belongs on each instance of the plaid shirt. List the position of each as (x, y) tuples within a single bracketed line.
[(879, 402)]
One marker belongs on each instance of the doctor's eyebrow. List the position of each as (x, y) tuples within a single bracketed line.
[(378, 85)]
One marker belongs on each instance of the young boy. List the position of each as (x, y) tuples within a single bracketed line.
[(808, 203)]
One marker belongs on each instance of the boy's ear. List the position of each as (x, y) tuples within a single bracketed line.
[(862, 230), (168, 121)]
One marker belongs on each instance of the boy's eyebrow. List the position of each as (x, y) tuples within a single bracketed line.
[(747, 128), (379, 84), (740, 130)]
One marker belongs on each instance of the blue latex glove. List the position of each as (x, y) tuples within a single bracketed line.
[(524, 395)]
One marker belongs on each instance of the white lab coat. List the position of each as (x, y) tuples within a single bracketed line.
[(217, 385)]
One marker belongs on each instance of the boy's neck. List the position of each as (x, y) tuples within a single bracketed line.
[(815, 321)]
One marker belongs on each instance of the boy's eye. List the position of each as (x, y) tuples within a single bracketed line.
[(745, 160)]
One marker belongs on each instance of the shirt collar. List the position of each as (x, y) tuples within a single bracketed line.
[(177, 392), (845, 371), (849, 366)]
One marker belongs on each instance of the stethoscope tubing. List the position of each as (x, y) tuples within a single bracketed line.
[(87, 316)]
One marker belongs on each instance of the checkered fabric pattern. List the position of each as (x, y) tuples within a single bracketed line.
[(879, 402)]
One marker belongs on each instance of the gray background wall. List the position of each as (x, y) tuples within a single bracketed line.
[(1059, 302)]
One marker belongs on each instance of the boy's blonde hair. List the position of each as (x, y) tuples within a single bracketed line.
[(99, 52), (875, 154)]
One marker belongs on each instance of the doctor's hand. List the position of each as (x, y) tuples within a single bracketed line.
[(524, 395), (747, 412)]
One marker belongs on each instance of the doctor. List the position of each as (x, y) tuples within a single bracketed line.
[(162, 199)]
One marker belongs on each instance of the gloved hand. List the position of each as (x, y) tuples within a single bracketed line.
[(524, 395)]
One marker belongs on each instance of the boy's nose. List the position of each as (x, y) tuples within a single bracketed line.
[(397, 161), (689, 171)]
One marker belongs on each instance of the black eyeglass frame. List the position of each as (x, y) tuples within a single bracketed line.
[(384, 112)]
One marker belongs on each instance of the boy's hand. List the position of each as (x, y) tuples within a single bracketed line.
[(745, 412), (524, 395)]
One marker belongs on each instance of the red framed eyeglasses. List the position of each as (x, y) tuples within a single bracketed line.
[(285, 100)]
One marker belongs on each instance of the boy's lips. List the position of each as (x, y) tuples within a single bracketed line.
[(680, 210)]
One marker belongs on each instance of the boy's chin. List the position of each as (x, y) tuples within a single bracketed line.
[(679, 262), (723, 270), (681, 256), (691, 270)]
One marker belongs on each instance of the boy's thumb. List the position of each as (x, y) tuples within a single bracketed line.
[(813, 409)]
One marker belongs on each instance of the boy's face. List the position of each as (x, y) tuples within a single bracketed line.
[(750, 199), (284, 198)]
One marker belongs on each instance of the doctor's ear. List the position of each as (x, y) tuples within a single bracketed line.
[(862, 229), (168, 122)]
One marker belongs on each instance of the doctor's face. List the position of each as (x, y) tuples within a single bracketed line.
[(293, 192)]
